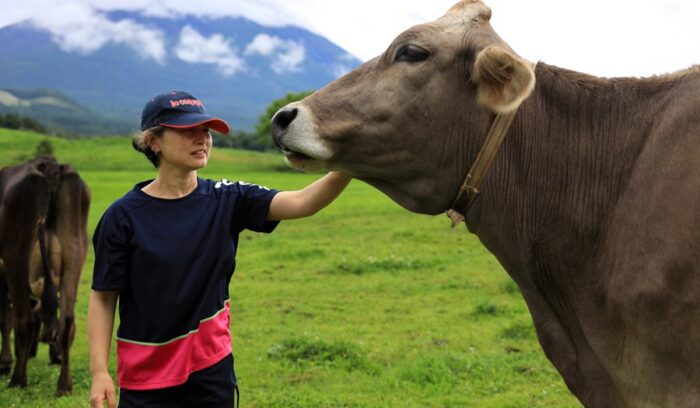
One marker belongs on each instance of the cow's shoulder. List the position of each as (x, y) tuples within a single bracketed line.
[(22, 188), (22, 180), (10, 176)]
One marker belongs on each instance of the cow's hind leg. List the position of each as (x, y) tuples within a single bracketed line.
[(5, 327), (5, 353), (65, 382), (23, 324), (18, 286), (34, 328), (55, 353), (66, 326)]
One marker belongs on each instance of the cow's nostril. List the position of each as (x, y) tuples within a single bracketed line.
[(284, 117)]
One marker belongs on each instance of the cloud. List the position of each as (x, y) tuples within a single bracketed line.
[(653, 36), (263, 44), (87, 31), (343, 64), (195, 48), (290, 60), (288, 54)]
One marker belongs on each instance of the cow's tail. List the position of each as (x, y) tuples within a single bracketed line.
[(49, 297)]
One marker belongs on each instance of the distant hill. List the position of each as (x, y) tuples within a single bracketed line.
[(108, 86), (58, 112)]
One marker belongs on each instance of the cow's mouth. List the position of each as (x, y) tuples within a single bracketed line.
[(292, 155), (301, 161)]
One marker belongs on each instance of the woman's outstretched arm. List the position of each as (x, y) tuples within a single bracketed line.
[(287, 205)]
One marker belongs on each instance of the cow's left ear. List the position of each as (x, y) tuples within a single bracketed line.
[(503, 79)]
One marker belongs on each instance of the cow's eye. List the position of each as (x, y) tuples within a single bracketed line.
[(411, 53)]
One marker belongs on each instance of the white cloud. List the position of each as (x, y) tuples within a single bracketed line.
[(290, 59), (195, 48), (288, 54), (87, 31), (263, 44)]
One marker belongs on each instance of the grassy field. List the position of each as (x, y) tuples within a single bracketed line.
[(362, 305)]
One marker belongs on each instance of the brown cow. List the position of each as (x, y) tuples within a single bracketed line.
[(43, 243), (592, 203)]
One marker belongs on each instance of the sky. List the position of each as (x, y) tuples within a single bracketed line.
[(599, 37)]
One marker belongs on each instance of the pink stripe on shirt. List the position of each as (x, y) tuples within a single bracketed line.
[(146, 366)]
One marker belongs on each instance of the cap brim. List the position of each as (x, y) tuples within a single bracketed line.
[(196, 119)]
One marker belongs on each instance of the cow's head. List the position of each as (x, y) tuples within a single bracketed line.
[(410, 121)]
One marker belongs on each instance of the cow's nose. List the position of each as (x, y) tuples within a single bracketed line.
[(284, 117), (280, 123)]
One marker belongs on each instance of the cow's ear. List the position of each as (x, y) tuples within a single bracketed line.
[(503, 79)]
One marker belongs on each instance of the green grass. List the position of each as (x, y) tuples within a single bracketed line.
[(362, 305)]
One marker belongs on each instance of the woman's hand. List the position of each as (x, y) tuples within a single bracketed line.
[(102, 390), (101, 307)]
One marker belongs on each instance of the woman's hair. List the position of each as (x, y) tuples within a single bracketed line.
[(139, 143)]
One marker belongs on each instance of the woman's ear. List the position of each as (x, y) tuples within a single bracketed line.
[(503, 79), (152, 142)]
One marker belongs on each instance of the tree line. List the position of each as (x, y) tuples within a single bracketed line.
[(15, 121)]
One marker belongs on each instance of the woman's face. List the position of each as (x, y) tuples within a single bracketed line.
[(186, 149)]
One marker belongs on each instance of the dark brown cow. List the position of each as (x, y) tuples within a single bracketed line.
[(592, 204), (43, 243)]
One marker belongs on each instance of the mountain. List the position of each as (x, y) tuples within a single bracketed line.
[(235, 65)]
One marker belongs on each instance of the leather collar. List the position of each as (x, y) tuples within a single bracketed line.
[(470, 188)]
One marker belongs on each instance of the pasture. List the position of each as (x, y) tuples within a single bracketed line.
[(362, 305)]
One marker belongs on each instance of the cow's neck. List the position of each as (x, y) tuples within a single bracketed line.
[(565, 161)]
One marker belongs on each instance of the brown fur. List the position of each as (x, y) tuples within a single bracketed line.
[(592, 205)]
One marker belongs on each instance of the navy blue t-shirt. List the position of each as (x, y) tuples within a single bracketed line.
[(171, 261)]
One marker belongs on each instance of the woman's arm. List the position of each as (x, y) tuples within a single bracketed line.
[(101, 309), (287, 205)]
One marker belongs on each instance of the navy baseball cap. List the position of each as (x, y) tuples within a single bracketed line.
[(180, 110)]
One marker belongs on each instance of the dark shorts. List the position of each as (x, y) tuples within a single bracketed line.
[(213, 386)]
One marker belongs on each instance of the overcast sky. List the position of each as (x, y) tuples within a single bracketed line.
[(600, 37)]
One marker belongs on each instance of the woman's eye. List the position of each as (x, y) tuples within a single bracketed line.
[(411, 53)]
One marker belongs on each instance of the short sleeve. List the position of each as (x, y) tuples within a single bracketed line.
[(112, 253), (252, 207)]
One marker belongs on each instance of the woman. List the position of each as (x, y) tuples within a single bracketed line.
[(166, 250)]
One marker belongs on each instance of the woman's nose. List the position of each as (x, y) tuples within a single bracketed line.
[(202, 136)]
